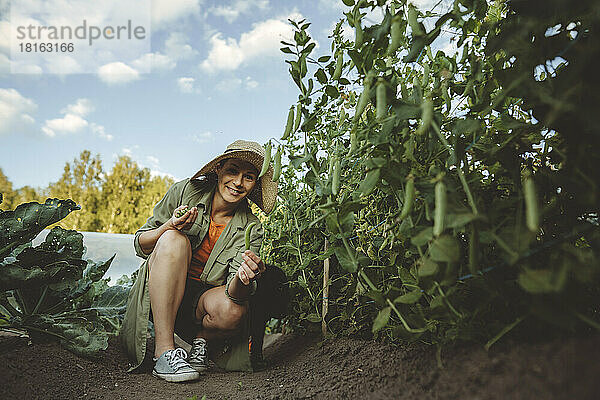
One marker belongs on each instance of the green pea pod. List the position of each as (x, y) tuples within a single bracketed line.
[(298, 117), (266, 160), (531, 203), (277, 168), (338, 66), (412, 21), (180, 213), (353, 142), (381, 99), (330, 167), (445, 95), (396, 34), (358, 36), (440, 208), (364, 98), (409, 197), (342, 114), (426, 116), (335, 183), (289, 124), (247, 236), (425, 75)]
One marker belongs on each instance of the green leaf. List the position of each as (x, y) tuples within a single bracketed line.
[(543, 280), (382, 319), (332, 91), (315, 318), (286, 50), (445, 248), (458, 220), (13, 276), (423, 237), (427, 268), (410, 297), (24, 223), (346, 260), (324, 59)]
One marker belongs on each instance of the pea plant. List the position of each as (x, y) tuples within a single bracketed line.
[(457, 193)]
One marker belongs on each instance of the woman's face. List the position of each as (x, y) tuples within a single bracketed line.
[(236, 179)]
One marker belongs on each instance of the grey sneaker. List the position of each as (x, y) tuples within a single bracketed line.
[(172, 367), (198, 357)]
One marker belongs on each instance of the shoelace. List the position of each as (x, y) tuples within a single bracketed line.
[(177, 358), (198, 350)]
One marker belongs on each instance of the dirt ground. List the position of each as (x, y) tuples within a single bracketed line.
[(302, 367)]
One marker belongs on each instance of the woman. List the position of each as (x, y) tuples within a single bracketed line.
[(198, 277)]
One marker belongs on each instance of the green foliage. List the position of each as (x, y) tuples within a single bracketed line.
[(509, 110), (50, 290), (116, 201)]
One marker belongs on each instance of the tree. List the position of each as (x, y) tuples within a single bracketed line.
[(128, 195), (8, 194), (81, 182)]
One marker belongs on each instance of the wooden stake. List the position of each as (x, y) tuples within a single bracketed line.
[(325, 291)]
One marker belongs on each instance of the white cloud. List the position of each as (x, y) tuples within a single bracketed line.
[(63, 64), (5, 37), (233, 11), (203, 137), (117, 73), (15, 111), (82, 107), (154, 62), (74, 121), (101, 132), (229, 85), (70, 123), (334, 4), (168, 11), (250, 83), (177, 48), (154, 162), (263, 40), (186, 84)]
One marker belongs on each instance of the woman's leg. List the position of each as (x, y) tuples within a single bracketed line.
[(168, 264), (220, 316)]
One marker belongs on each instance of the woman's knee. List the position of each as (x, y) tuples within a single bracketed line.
[(229, 316), (171, 244)]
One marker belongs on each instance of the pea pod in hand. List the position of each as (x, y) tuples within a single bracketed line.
[(247, 236), (181, 212)]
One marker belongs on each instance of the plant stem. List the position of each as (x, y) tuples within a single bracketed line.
[(459, 170), (40, 301), (408, 328)]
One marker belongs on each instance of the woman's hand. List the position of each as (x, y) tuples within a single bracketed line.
[(251, 268), (186, 220)]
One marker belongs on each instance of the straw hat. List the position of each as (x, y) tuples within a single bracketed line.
[(265, 191)]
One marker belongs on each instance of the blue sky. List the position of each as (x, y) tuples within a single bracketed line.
[(216, 75)]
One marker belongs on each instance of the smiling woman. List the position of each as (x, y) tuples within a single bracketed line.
[(198, 277)]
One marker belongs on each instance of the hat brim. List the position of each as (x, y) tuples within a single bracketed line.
[(264, 193)]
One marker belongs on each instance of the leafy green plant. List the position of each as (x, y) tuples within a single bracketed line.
[(457, 192), (50, 290)]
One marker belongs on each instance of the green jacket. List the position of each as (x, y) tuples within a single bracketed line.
[(222, 264)]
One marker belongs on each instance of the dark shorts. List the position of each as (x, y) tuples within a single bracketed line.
[(186, 325)]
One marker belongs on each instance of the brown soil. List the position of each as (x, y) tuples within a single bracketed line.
[(305, 368)]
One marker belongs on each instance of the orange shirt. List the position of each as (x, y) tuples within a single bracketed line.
[(200, 257)]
